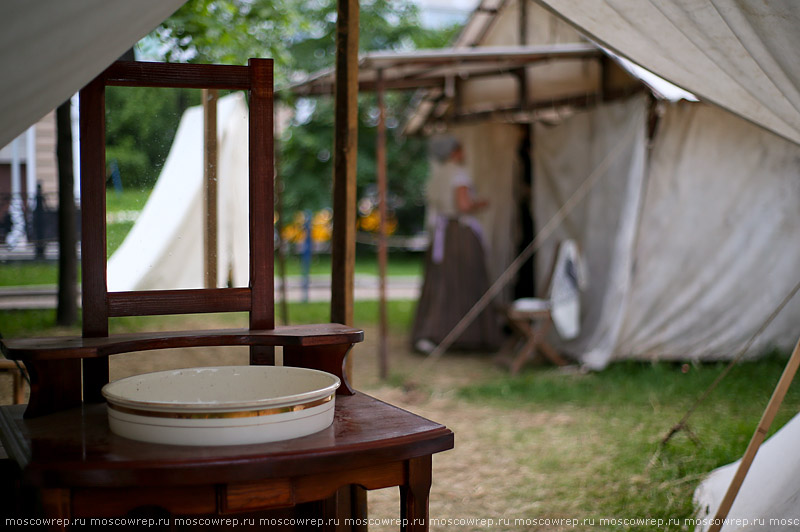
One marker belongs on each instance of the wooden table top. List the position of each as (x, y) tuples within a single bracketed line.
[(75, 448)]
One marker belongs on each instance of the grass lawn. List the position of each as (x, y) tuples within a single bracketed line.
[(603, 458), (406, 264), (15, 323), (28, 273), (43, 273), (130, 199), (38, 273), (543, 444)]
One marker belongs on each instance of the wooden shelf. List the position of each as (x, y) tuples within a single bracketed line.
[(72, 347)]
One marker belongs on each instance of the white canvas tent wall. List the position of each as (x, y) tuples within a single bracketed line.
[(164, 249), (710, 192)]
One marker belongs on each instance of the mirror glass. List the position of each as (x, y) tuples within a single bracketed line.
[(161, 229)]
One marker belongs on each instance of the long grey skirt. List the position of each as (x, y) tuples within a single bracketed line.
[(451, 288)]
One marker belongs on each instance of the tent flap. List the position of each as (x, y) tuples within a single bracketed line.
[(604, 223)]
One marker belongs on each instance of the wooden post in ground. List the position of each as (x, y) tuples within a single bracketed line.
[(353, 502), (383, 255), (283, 304), (343, 255), (210, 158), (758, 438)]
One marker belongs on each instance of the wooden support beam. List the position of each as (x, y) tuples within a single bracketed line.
[(522, 73), (344, 163), (383, 256), (283, 303), (210, 162), (352, 502)]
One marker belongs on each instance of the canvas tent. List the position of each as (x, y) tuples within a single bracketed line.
[(691, 235), (740, 55), (693, 185), (770, 494)]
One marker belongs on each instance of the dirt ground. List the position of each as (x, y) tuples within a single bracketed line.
[(489, 474)]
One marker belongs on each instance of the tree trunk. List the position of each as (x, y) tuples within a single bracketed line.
[(67, 312)]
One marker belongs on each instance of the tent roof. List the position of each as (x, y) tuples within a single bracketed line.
[(435, 68), (560, 76), (49, 49), (739, 55)]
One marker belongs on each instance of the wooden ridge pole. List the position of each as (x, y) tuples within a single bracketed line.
[(758, 438)]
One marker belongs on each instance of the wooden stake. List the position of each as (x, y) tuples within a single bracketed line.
[(380, 164), (210, 157), (758, 438)]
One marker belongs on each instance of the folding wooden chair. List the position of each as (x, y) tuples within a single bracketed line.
[(532, 318)]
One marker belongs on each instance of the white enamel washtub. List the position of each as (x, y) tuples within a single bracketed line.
[(226, 405)]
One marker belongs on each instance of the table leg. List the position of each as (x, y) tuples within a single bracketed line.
[(414, 495)]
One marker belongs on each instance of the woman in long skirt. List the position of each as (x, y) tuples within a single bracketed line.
[(455, 267)]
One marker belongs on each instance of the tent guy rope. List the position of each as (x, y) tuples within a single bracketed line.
[(682, 424)]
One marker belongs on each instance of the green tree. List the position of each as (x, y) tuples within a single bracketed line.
[(305, 148), (300, 36), (140, 127)]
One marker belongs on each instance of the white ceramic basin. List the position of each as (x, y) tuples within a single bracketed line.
[(227, 405)]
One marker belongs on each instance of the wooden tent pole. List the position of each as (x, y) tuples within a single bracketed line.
[(351, 502), (283, 307), (383, 258), (210, 159), (344, 163), (758, 438)]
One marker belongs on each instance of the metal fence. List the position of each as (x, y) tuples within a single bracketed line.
[(28, 223)]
